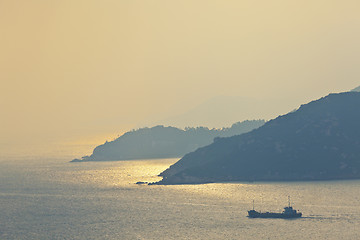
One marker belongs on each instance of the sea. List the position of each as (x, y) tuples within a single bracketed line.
[(51, 198)]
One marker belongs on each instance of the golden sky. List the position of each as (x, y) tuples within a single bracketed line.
[(72, 69)]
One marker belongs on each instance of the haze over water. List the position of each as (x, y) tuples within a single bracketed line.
[(72, 71), (75, 73), (54, 199)]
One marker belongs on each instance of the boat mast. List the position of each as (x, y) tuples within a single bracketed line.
[(289, 200), (253, 205)]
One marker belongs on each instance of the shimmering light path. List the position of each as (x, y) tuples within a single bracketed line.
[(54, 199)]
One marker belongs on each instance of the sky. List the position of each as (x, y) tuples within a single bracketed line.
[(86, 71)]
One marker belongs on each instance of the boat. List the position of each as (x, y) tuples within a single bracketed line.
[(288, 212)]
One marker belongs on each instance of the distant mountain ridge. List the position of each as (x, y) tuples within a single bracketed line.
[(319, 141), (163, 142), (356, 89), (222, 111)]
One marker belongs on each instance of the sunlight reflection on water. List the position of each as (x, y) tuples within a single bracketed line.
[(95, 200)]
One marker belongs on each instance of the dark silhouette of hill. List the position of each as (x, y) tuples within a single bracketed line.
[(319, 141), (164, 142)]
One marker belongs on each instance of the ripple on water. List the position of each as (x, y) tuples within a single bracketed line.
[(97, 200)]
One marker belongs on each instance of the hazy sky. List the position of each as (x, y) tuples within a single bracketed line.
[(73, 70)]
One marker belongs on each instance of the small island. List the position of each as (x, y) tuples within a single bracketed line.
[(163, 142)]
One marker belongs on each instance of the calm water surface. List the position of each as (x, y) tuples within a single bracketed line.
[(54, 199)]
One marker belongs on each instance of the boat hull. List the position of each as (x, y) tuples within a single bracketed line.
[(254, 214)]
